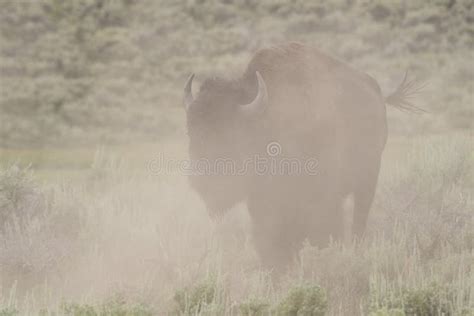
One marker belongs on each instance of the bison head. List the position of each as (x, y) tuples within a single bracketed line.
[(223, 128)]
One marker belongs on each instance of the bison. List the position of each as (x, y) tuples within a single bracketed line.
[(312, 106)]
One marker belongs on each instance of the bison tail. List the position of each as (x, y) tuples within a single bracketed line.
[(400, 98)]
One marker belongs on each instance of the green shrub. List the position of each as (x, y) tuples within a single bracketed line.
[(304, 300), (8, 312), (20, 198), (254, 307), (425, 301), (197, 299), (114, 308), (388, 312), (40, 229)]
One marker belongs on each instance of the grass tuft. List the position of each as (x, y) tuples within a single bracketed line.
[(304, 300)]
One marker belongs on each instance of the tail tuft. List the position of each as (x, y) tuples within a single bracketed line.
[(400, 98)]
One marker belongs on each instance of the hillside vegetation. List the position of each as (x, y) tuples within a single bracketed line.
[(106, 71)]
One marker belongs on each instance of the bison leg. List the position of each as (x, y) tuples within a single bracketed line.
[(327, 221), (364, 192), (275, 251), (276, 241)]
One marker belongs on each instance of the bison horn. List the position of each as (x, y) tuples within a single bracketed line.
[(259, 104), (188, 93)]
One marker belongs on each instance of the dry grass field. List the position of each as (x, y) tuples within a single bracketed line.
[(102, 234)]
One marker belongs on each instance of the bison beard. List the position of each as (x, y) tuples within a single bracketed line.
[(313, 106)]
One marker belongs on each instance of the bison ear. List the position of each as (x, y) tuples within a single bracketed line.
[(259, 104), (188, 93)]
